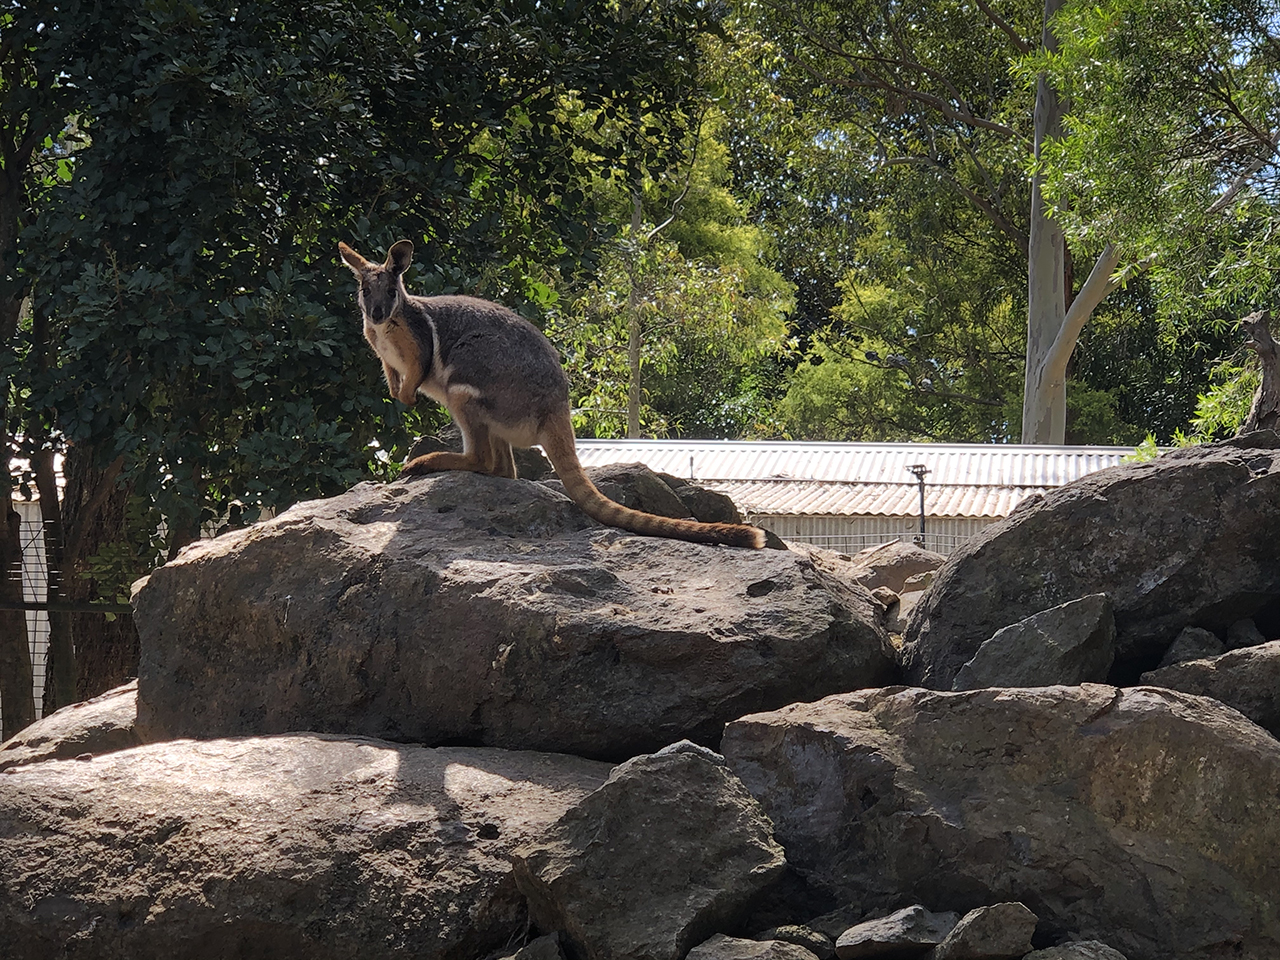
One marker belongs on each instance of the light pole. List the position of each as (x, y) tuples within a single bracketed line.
[(921, 471)]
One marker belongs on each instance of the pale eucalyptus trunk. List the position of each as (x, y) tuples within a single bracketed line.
[(1044, 398), (1054, 317)]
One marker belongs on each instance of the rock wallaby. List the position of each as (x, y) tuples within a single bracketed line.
[(501, 380)]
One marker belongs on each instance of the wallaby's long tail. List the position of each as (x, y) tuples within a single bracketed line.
[(557, 441)]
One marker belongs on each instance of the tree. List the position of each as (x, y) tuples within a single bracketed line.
[(683, 296), (932, 88), (200, 362), (1171, 146), (1170, 149)]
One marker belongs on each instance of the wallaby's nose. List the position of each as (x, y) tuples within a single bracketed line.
[(378, 313)]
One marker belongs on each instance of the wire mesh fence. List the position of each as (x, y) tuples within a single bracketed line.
[(943, 543), (35, 577)]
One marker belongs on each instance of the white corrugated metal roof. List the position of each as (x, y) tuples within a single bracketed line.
[(862, 479)]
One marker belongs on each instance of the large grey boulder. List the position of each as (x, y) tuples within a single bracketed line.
[(902, 935), (721, 947), (1139, 817), (1247, 679), (893, 564), (669, 850), (1001, 931), (103, 724), (1071, 643), (293, 847), (461, 608), (1191, 538)]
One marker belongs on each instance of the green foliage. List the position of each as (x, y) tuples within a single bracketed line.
[(1170, 145), (1222, 410), (1145, 451), (118, 564), (1170, 151), (900, 363), (692, 274), (1152, 367), (889, 158), (1219, 412)]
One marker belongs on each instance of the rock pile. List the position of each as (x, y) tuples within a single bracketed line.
[(382, 726)]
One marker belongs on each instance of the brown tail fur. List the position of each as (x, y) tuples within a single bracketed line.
[(557, 440)]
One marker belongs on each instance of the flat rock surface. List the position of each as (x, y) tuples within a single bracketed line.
[(103, 724), (294, 847), (1140, 817), (1191, 538), (461, 608)]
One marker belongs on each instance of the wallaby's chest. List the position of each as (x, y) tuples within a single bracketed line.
[(395, 345)]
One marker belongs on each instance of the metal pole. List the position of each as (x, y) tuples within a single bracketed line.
[(921, 471)]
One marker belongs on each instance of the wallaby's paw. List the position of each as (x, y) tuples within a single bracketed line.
[(439, 461), (420, 466)]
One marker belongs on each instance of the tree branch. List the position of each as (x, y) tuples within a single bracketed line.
[(1019, 43), (1243, 177), (1101, 282)]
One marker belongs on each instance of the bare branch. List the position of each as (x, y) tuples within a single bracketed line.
[(1242, 179), (1102, 280), (1019, 43)]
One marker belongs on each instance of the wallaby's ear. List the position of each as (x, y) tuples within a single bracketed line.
[(353, 260), (399, 257)]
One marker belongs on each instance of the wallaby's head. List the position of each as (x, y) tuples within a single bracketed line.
[(381, 284)]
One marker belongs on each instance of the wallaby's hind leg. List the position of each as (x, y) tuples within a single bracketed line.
[(479, 448), (504, 461)]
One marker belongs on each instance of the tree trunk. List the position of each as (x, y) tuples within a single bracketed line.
[(1044, 401), (1265, 412), (1054, 317), (94, 515)]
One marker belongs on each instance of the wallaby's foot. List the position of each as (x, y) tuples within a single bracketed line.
[(439, 461)]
